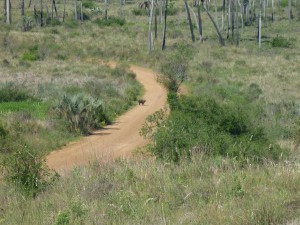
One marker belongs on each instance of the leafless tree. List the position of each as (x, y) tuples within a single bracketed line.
[(290, 11), (228, 20), (64, 13), (259, 23), (165, 26), (75, 10), (150, 38), (41, 13), (232, 20), (223, 13), (54, 7), (190, 20), (272, 10), (199, 20), (237, 25), (221, 39), (155, 22), (22, 8), (8, 11)]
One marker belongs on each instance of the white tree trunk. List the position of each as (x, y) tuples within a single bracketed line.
[(259, 23), (160, 11), (196, 20), (150, 38), (75, 10), (8, 11), (216, 13), (272, 10)]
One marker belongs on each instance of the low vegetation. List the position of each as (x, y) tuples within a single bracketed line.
[(200, 190)]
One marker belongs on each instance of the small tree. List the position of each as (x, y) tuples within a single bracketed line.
[(174, 69)]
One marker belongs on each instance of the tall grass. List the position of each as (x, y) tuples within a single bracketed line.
[(202, 191)]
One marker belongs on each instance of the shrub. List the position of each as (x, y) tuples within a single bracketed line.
[(4, 133), (27, 23), (111, 21), (139, 12), (5, 63), (10, 93), (174, 71), (89, 4), (202, 124), (82, 113), (32, 54), (26, 169), (282, 42)]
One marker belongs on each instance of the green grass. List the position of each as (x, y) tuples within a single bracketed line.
[(38, 109), (201, 191)]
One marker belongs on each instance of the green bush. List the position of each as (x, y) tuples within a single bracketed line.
[(10, 93), (282, 42), (82, 112), (32, 54), (111, 21), (27, 170), (202, 124), (89, 4), (4, 133), (139, 12)]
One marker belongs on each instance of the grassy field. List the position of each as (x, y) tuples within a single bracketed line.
[(234, 138)]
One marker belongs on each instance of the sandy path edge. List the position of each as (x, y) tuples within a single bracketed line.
[(118, 139)]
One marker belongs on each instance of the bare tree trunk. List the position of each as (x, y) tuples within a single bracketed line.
[(155, 23), (8, 12), (64, 14), (81, 12), (190, 20), (35, 13), (75, 10), (199, 21), (237, 25), (232, 20), (55, 9), (216, 13), (264, 2), (195, 18), (160, 11), (221, 39), (52, 10), (165, 26), (150, 47), (106, 10), (22, 8), (5, 8), (41, 14), (272, 10), (259, 23), (290, 11), (223, 13), (29, 4), (228, 16), (242, 14)]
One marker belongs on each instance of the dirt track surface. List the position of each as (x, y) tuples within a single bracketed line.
[(118, 139)]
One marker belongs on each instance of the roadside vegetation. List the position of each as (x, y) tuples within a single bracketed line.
[(227, 151)]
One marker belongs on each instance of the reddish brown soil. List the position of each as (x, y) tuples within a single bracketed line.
[(118, 139)]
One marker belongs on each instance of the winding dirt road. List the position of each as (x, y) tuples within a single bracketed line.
[(118, 139)]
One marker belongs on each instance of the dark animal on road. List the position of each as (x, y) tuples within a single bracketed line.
[(141, 101)]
